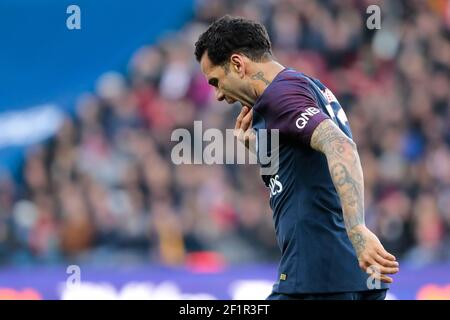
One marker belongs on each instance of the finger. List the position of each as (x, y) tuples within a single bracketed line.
[(374, 274), (247, 121), (238, 132), (240, 135), (386, 279), (240, 117), (386, 263), (385, 254), (250, 139), (385, 270), (249, 135), (380, 268)]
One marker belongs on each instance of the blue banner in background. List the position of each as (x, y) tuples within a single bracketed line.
[(43, 62), (154, 282)]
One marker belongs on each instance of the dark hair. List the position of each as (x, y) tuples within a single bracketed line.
[(229, 35)]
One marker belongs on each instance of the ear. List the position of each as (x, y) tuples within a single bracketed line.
[(237, 64)]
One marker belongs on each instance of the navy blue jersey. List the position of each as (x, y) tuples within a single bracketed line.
[(317, 255)]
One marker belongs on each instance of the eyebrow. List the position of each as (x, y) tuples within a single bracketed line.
[(213, 82)]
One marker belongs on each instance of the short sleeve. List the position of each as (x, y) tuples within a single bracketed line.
[(292, 108)]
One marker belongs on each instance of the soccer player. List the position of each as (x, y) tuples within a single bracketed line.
[(317, 195)]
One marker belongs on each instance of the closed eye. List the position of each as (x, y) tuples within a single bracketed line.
[(214, 82)]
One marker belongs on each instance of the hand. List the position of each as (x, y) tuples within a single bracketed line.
[(372, 257), (243, 127)]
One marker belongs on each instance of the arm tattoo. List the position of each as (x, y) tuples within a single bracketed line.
[(346, 173), (260, 76), (350, 193), (358, 241)]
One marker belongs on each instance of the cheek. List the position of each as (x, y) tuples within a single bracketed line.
[(227, 89), (224, 87), (227, 83), (232, 87)]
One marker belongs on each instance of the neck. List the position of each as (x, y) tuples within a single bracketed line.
[(262, 74)]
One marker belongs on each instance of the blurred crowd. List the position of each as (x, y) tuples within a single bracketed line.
[(104, 189)]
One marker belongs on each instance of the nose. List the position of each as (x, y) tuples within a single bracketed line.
[(219, 95)]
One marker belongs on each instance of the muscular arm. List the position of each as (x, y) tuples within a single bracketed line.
[(347, 175)]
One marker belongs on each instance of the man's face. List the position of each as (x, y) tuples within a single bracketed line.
[(228, 85), (339, 174)]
